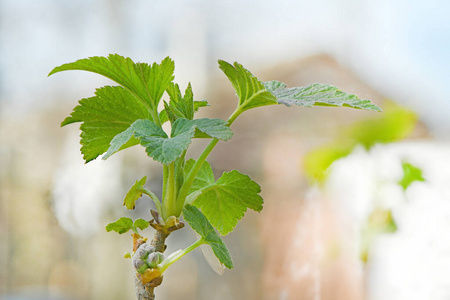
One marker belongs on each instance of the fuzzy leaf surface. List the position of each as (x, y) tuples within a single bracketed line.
[(134, 193), (158, 145), (120, 226), (206, 128), (249, 89), (163, 148), (166, 149), (146, 82), (225, 201), (139, 128), (316, 95), (201, 225), (111, 111)]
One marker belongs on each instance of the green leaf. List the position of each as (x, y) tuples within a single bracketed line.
[(316, 95), (134, 193), (120, 226), (139, 128), (225, 201), (171, 113), (197, 104), (250, 91), (163, 116), (147, 83), (158, 145), (125, 224), (186, 105), (166, 149), (206, 128), (204, 176), (410, 174), (141, 224), (380, 221), (201, 225), (103, 116), (317, 162), (395, 123), (182, 106)]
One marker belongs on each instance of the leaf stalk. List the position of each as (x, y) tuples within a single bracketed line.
[(170, 197), (154, 199), (179, 254)]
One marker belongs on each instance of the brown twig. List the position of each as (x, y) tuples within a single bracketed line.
[(144, 289)]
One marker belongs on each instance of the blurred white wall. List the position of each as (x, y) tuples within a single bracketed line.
[(414, 262)]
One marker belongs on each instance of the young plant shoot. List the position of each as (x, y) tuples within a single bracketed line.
[(122, 116)]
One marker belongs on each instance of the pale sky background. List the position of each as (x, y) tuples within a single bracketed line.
[(401, 48)]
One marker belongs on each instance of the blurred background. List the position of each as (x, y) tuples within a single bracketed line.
[(357, 204)]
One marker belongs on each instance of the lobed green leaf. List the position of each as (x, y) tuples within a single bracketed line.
[(197, 104), (146, 82), (103, 116), (139, 128), (166, 149), (206, 128), (141, 224), (120, 226), (134, 193), (179, 106), (316, 95), (250, 91), (201, 225), (225, 201), (204, 176)]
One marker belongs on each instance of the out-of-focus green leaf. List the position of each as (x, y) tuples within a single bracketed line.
[(410, 174), (317, 162), (380, 221), (394, 124)]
